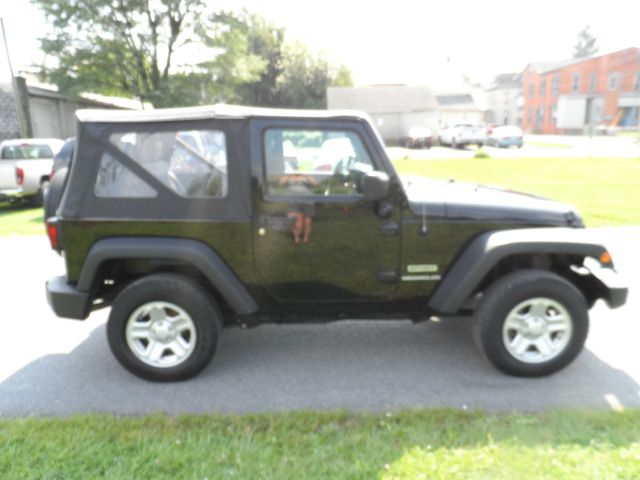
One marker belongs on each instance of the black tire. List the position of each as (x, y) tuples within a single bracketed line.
[(181, 292), (54, 193), (37, 200), (507, 293), (454, 143)]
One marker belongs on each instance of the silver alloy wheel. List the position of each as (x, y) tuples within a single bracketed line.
[(161, 334), (537, 330)]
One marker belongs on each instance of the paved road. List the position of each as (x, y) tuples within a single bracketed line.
[(59, 367)]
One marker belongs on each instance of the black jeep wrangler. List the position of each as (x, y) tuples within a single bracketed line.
[(189, 220)]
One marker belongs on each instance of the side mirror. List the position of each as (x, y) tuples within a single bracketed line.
[(375, 186)]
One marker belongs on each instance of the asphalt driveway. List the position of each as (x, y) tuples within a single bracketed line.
[(59, 367)]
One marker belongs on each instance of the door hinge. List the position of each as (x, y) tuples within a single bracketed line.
[(389, 228), (387, 276)]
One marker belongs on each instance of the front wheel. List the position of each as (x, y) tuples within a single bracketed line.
[(531, 323), (164, 328)]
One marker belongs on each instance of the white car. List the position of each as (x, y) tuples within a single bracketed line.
[(25, 166), (506, 136), (458, 135)]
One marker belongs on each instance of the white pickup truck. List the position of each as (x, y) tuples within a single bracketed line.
[(25, 165), (458, 135)]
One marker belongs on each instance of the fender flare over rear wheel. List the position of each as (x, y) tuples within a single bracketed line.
[(164, 327)]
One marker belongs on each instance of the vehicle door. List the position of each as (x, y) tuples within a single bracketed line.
[(314, 236), (8, 160)]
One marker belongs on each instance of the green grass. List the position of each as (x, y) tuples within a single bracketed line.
[(429, 444), (21, 219), (606, 191)]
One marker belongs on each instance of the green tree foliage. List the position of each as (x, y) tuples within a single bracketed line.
[(281, 74), (128, 47), (585, 45), (247, 57), (118, 47)]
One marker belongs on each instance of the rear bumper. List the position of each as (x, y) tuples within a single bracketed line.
[(66, 300), (13, 193)]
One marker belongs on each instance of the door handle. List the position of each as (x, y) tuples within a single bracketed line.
[(390, 229)]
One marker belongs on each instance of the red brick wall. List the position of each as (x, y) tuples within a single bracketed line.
[(625, 63)]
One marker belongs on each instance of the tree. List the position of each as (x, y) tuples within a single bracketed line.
[(585, 46), (247, 60), (127, 47), (119, 47), (281, 74), (306, 76)]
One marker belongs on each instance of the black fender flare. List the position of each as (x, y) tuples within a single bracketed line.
[(487, 249), (192, 252)]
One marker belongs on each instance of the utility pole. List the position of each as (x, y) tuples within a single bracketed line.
[(14, 83)]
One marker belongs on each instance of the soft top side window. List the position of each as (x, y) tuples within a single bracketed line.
[(314, 162), (191, 163)]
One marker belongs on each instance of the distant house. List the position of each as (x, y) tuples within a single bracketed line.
[(504, 99), (396, 108), (577, 95), (48, 113)]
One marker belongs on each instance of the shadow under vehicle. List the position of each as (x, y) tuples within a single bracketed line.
[(183, 238)]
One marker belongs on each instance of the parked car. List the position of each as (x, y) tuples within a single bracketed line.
[(25, 166), (458, 135), (177, 262), (505, 136), (419, 137), (58, 176)]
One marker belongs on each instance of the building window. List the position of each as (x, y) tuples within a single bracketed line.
[(593, 81), (531, 90), (636, 82), (543, 87), (554, 113), (614, 81), (554, 85), (575, 83), (540, 118), (529, 115)]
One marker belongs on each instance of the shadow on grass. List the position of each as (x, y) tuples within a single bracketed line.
[(20, 206)]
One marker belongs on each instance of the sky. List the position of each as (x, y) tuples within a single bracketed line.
[(402, 41)]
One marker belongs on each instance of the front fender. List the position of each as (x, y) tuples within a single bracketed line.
[(487, 249)]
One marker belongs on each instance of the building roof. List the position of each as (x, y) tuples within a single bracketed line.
[(382, 99), (545, 67), (506, 80)]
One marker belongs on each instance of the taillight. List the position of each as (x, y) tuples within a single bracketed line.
[(19, 175), (52, 233)]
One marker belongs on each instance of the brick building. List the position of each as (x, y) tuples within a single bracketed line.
[(574, 96)]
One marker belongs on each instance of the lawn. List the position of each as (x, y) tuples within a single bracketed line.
[(605, 191), (427, 444), (21, 219)]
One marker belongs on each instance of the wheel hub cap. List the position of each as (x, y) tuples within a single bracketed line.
[(161, 334), (537, 330)]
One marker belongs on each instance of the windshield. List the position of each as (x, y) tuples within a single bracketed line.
[(26, 152)]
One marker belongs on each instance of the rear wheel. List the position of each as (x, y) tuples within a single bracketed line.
[(164, 328), (531, 323)]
